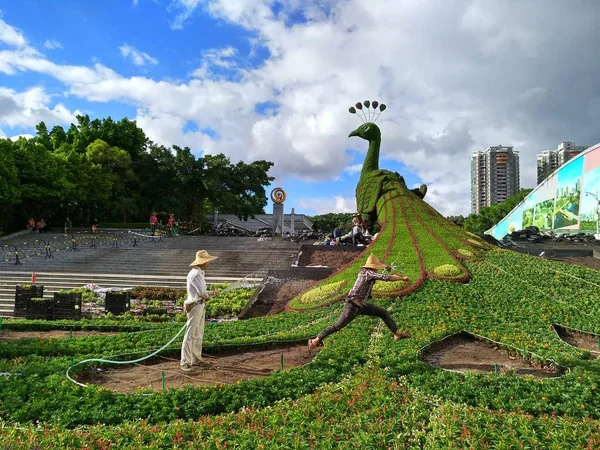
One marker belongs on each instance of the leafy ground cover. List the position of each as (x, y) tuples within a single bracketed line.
[(363, 389)]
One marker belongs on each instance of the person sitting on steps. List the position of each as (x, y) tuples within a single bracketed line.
[(355, 302), (357, 235)]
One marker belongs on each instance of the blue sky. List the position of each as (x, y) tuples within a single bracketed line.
[(264, 79)]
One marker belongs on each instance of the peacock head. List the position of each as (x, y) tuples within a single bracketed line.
[(368, 131)]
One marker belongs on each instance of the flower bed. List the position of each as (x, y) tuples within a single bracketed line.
[(363, 389)]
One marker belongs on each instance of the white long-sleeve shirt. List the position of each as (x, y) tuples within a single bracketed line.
[(196, 286)]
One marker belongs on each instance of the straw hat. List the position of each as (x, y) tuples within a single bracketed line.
[(202, 257), (374, 263)]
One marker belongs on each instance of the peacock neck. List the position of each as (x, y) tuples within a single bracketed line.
[(372, 158)]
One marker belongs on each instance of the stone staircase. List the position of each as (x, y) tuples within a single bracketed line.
[(150, 262)]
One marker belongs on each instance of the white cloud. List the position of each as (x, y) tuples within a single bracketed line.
[(28, 108), (217, 59), (185, 9), (137, 57), (354, 168), (11, 36), (337, 204), (489, 73), (52, 44)]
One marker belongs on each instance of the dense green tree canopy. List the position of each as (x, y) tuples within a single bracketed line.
[(111, 171), (490, 216), (327, 222)]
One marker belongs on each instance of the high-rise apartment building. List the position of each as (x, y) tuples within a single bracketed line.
[(547, 162), (550, 160), (567, 150), (494, 176)]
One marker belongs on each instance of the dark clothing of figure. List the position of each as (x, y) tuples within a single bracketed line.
[(357, 236), (355, 303), (351, 311), (363, 286)]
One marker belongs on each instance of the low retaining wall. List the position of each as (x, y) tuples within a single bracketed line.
[(279, 287)]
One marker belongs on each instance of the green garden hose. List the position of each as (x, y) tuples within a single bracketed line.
[(110, 361)]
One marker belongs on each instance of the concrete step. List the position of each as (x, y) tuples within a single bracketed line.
[(150, 263), (54, 282)]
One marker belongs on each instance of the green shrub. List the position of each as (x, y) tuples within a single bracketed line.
[(87, 295), (447, 270)]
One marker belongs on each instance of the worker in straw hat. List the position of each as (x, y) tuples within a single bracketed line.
[(194, 306), (355, 301)]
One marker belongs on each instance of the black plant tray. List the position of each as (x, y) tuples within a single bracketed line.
[(117, 303), (22, 295), (67, 306), (39, 310)]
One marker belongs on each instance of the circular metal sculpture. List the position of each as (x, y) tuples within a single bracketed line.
[(278, 195)]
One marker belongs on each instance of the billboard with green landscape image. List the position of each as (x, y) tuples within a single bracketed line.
[(543, 208), (528, 209), (590, 192), (568, 193), (567, 200)]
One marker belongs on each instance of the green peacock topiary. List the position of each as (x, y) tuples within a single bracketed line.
[(414, 238)]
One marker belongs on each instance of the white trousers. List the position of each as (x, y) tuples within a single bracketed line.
[(191, 349)]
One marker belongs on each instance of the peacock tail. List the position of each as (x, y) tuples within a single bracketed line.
[(414, 239)]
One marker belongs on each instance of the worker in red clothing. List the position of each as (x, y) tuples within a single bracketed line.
[(170, 224), (153, 222)]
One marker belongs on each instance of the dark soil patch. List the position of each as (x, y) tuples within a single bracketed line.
[(464, 353), (274, 296), (585, 261), (287, 291), (223, 369), (54, 334), (584, 341), (319, 256)]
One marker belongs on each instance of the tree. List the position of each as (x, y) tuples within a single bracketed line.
[(110, 158), (43, 137), (236, 189), (44, 182), (458, 220), (328, 222), (491, 215), (111, 170), (10, 189)]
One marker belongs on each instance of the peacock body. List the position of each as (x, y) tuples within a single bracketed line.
[(414, 238)]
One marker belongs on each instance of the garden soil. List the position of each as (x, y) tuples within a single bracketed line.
[(467, 354), (54, 334), (314, 257), (222, 369), (585, 261), (584, 341), (288, 291)]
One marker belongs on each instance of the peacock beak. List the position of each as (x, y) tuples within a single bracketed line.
[(354, 133)]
